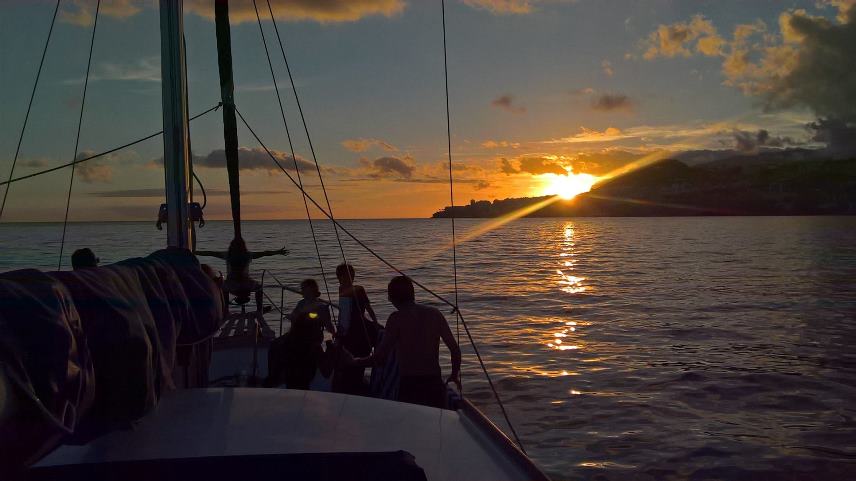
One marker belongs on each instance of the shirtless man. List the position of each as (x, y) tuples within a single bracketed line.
[(415, 330)]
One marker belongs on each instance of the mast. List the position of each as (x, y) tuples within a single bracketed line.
[(176, 136), (227, 95)]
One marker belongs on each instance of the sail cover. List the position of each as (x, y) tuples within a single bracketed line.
[(88, 351), (46, 372)]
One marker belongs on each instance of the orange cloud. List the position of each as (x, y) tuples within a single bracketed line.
[(81, 12), (677, 39)]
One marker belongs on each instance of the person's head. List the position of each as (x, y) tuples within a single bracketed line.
[(400, 291), (345, 273), (309, 289), (237, 246), (84, 258)]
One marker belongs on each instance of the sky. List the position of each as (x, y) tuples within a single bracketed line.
[(538, 90)]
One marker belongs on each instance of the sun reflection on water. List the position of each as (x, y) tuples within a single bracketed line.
[(569, 282)]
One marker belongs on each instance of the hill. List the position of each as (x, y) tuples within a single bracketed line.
[(730, 186)]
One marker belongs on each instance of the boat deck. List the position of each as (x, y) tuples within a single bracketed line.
[(191, 423)]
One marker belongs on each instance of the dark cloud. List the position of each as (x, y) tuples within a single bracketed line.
[(481, 184), (824, 77), (506, 102), (838, 135), (390, 167), (612, 102), (750, 142), (507, 168), (254, 158), (159, 193)]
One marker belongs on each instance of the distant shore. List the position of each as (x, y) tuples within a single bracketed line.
[(671, 188)]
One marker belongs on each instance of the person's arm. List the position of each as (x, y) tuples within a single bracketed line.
[(219, 255), (280, 252), (454, 349), (364, 298), (390, 337)]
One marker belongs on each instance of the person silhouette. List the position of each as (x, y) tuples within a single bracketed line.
[(356, 334), (238, 259), (414, 331), (84, 259)]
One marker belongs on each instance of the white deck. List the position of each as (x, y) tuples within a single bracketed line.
[(243, 421)]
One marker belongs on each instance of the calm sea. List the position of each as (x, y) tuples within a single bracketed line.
[(625, 349)]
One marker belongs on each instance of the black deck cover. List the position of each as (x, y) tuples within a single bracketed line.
[(392, 466)]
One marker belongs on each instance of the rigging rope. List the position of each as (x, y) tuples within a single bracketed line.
[(451, 177), (100, 154), (29, 106), (399, 271), (202, 188), (293, 156), (77, 137), (306, 129)]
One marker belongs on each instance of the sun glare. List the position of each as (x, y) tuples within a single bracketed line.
[(568, 186)]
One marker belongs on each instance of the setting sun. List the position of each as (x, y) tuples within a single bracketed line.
[(568, 186)]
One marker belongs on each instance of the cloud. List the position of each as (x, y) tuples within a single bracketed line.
[(506, 102), (252, 158), (533, 165), (838, 135), (361, 145), (159, 193), (500, 144), (606, 66), (502, 7), (146, 69), (583, 91), (809, 63), (143, 70), (751, 142), (81, 12), (481, 185), (381, 167), (93, 171), (612, 102), (33, 163), (586, 135), (682, 38)]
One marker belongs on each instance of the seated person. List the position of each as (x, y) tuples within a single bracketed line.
[(293, 358), (414, 331)]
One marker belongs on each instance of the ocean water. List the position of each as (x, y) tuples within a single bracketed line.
[(624, 349)]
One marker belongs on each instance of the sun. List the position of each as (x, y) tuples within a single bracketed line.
[(568, 186)]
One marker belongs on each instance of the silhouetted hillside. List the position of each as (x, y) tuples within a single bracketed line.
[(731, 186)]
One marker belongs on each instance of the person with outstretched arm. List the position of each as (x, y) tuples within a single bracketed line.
[(238, 260), (414, 330)]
